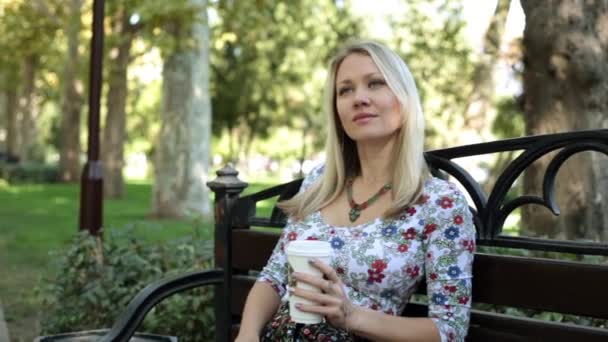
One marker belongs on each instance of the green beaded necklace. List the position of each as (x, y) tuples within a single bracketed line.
[(356, 208)]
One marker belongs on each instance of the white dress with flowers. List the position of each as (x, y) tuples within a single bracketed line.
[(381, 262)]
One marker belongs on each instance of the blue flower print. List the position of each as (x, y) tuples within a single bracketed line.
[(452, 233), (454, 271), (337, 243), (421, 222), (439, 299), (390, 230)]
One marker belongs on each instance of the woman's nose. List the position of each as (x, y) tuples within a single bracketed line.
[(361, 98)]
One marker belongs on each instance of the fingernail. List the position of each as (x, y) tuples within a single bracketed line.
[(312, 261)]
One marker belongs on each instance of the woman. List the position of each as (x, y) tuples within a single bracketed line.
[(389, 222)]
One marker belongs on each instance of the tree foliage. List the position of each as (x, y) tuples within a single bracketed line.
[(268, 62), (429, 35)]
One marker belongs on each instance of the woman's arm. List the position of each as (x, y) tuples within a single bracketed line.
[(262, 302), (342, 313), (378, 326)]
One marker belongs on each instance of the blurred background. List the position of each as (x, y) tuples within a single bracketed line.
[(192, 85)]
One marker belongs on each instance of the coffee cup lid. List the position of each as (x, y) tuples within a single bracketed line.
[(313, 248)]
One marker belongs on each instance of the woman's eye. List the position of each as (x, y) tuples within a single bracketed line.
[(376, 83), (344, 90)]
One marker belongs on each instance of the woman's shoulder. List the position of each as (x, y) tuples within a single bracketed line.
[(315, 174), (436, 189)]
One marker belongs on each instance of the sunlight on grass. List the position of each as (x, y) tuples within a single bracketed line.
[(37, 220)]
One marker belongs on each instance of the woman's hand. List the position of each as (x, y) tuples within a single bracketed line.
[(333, 303)]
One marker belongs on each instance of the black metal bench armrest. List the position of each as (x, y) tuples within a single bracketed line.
[(154, 293)]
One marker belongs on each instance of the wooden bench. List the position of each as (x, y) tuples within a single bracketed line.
[(559, 286)]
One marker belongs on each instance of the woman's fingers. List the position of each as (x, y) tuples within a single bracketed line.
[(327, 311), (315, 281), (329, 272), (316, 297)]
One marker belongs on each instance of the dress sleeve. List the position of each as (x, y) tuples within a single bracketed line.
[(449, 237), (275, 271)]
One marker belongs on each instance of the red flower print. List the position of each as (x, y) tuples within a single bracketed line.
[(446, 202), (306, 331), (433, 276), (469, 245), (390, 312), (375, 276), (451, 337), (374, 307), (423, 199), (403, 248), (428, 229), (332, 232), (450, 288), (312, 238), (429, 255), (463, 300), (292, 236), (411, 211), (458, 219), (340, 270), (379, 265), (413, 271), (410, 234)]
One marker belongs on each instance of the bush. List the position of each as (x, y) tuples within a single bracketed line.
[(29, 173), (95, 281)]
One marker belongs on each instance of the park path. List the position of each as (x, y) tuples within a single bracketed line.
[(3, 329)]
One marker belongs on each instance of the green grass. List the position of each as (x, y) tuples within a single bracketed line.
[(38, 219)]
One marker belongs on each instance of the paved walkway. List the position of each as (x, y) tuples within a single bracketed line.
[(3, 329)]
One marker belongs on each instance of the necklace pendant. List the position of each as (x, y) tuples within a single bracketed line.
[(354, 214)]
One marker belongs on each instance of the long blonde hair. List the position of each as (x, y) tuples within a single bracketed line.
[(342, 160)]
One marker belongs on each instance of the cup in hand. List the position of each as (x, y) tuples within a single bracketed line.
[(299, 252)]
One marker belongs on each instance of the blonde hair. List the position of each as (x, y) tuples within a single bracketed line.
[(342, 160)]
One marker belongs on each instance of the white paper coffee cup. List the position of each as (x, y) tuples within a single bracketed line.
[(299, 252)]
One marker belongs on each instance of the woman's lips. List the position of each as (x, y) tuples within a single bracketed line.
[(362, 118)]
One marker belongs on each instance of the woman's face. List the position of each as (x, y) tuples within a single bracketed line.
[(367, 107)]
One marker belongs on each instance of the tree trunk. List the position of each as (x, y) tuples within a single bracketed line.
[(598, 214), (69, 154), (565, 77), (12, 131), (28, 110), (479, 103), (182, 160), (114, 132)]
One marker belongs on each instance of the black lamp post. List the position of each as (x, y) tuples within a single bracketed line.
[(91, 181)]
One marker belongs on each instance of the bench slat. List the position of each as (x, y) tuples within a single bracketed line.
[(251, 249), (487, 326), (543, 284), (532, 283)]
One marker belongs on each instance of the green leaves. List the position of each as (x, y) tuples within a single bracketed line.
[(95, 282)]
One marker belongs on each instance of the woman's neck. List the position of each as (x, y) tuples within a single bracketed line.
[(377, 161)]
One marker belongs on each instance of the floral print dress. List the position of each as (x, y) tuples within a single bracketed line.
[(381, 262)]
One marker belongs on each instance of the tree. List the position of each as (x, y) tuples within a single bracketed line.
[(72, 99), (565, 77), (114, 133), (264, 75), (28, 29), (429, 37), (481, 98), (182, 155)]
